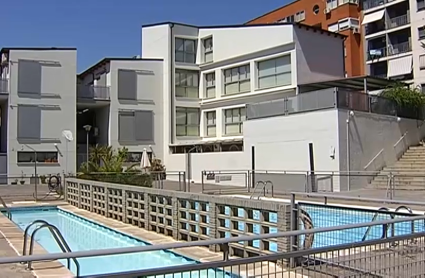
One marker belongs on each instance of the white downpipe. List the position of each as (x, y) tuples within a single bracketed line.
[(348, 150)]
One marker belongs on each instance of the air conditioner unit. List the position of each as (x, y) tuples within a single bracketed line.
[(356, 30), (327, 11)]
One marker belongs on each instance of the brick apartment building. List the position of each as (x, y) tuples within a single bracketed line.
[(340, 16)]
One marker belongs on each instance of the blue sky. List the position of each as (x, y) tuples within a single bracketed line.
[(100, 28)]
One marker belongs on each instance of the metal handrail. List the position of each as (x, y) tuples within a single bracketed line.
[(200, 243), (24, 249), (263, 188), (60, 240), (409, 210), (9, 213), (384, 227)]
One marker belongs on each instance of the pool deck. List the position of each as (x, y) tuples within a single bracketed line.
[(11, 238)]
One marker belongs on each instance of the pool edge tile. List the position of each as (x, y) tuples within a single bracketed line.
[(49, 268)]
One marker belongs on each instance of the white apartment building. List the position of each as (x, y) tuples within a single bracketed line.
[(394, 35), (212, 72), (37, 102)]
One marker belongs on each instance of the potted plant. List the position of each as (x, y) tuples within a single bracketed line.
[(158, 169), (22, 181), (43, 179), (15, 182)]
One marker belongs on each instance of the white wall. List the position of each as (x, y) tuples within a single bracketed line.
[(417, 20), (369, 135), (234, 42), (233, 162), (282, 143)]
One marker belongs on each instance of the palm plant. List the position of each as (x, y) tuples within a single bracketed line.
[(103, 159)]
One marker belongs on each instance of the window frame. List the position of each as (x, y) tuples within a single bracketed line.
[(421, 29), (247, 79), (184, 51), (31, 157), (241, 116), (207, 50), (210, 86), (186, 124), (422, 7), (212, 125), (179, 73), (258, 77)]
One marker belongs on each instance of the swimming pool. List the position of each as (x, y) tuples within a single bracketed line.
[(82, 234)]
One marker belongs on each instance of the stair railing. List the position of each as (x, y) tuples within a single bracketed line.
[(390, 186)]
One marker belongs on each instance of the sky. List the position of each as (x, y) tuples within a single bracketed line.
[(112, 28)]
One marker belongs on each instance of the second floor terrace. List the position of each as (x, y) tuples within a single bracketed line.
[(93, 92), (342, 96)]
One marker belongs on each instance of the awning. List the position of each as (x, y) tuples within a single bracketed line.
[(400, 66), (369, 18)]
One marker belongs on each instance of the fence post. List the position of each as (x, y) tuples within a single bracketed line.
[(213, 233), (91, 198), (106, 201), (202, 181), (124, 205), (176, 213), (79, 195), (146, 198), (293, 227)]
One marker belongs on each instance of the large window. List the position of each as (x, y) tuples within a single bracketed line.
[(185, 51), (274, 72), (135, 126), (210, 85), (208, 49), (237, 80), (42, 157), (233, 121), (187, 83), (187, 121), (211, 123)]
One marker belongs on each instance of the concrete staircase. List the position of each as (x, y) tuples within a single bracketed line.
[(409, 172)]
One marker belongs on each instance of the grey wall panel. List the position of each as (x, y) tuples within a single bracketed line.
[(127, 85), (144, 126), (29, 77)]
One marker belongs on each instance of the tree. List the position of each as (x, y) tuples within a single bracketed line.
[(409, 102), (103, 159)]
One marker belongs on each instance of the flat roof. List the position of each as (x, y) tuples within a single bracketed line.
[(300, 25), (355, 83), (275, 10), (106, 60), (7, 49)]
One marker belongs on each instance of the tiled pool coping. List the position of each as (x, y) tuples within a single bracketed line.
[(14, 236)]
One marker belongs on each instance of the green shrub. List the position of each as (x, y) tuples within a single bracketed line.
[(136, 179)]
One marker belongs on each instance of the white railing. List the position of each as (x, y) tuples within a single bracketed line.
[(373, 159)]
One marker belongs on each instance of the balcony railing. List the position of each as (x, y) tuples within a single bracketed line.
[(330, 98), (392, 49), (369, 4), (4, 86), (398, 21), (93, 92)]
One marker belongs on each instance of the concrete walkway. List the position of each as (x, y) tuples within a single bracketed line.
[(11, 270)]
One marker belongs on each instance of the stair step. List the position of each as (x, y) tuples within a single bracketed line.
[(404, 188), (402, 178), (400, 184)]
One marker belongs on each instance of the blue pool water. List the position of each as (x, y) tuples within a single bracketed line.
[(81, 235), (329, 216)]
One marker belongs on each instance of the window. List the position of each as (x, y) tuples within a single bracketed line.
[(333, 27), (187, 121), (420, 5), (316, 9), (345, 51), (208, 50), (185, 51), (423, 88), (211, 123), (210, 85), (237, 80), (274, 72), (421, 33), (187, 83), (136, 157), (233, 121), (42, 157), (300, 16), (331, 4), (135, 126), (29, 122)]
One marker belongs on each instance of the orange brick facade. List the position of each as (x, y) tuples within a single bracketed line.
[(354, 65)]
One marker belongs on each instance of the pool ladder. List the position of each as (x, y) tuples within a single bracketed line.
[(9, 214), (58, 237), (386, 227), (262, 189)]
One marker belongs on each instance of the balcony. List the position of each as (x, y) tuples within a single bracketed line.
[(92, 92), (4, 86), (392, 49), (398, 21), (369, 4)]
